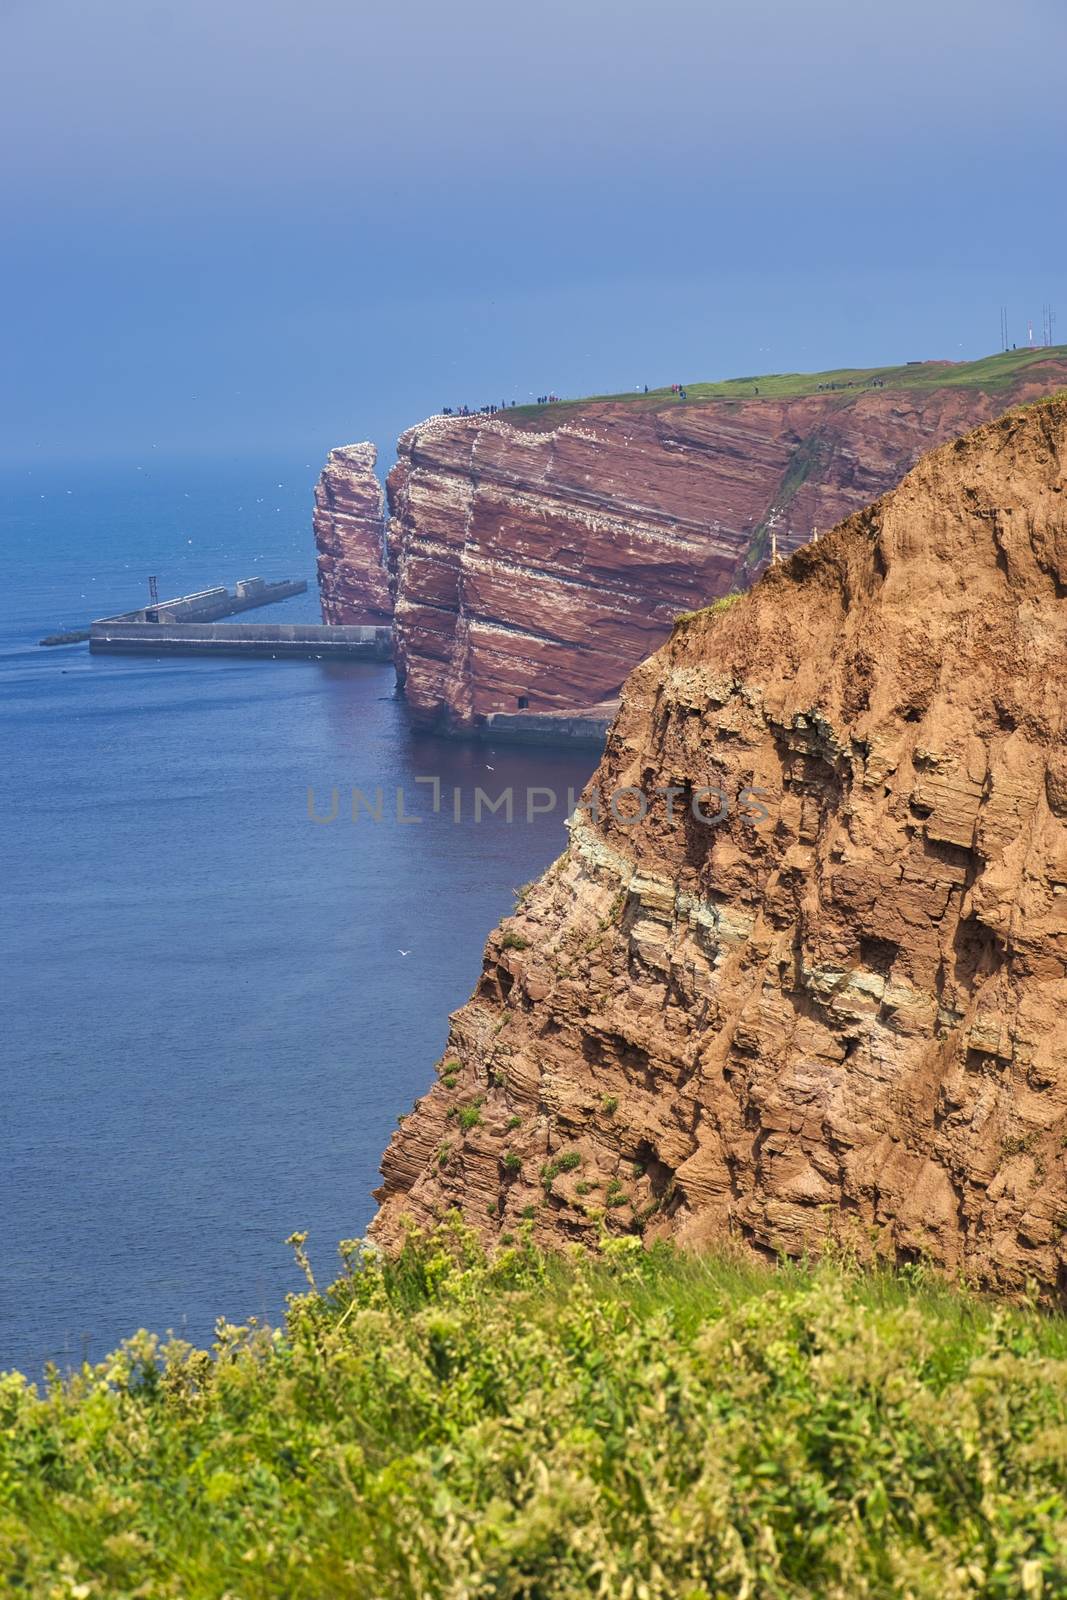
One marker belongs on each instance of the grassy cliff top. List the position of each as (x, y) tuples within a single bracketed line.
[(991, 374), (645, 1424)]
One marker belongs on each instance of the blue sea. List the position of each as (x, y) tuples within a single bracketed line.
[(208, 1029)]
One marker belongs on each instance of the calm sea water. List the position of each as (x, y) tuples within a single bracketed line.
[(207, 1027)]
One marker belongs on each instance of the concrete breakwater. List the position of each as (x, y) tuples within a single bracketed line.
[(207, 605), (187, 626)]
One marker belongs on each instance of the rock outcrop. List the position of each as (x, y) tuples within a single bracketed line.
[(536, 558), (349, 523), (841, 1008)]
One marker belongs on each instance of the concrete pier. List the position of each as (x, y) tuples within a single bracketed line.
[(316, 641)]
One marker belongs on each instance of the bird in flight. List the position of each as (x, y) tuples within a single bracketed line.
[(405, 952)]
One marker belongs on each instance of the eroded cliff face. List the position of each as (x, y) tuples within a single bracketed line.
[(539, 561), (849, 1017), (349, 523)]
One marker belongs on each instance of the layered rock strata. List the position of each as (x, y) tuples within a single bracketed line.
[(349, 523), (840, 1008), (535, 561)]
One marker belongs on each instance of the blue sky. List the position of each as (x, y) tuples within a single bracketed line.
[(250, 227)]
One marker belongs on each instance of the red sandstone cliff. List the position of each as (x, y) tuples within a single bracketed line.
[(540, 559), (850, 1017), (349, 523)]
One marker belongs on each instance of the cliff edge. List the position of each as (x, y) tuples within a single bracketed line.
[(841, 1005), (536, 556)]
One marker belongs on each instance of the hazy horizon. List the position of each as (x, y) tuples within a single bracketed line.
[(241, 230)]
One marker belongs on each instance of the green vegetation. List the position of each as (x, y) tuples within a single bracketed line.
[(609, 1105), (723, 603), (644, 1424), (567, 1162), (514, 941), (990, 373), (470, 1115), (511, 1162)]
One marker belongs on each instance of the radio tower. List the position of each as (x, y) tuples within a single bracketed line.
[(1048, 322)]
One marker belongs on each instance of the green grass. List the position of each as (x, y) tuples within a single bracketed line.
[(993, 374), (641, 1424), (724, 603)]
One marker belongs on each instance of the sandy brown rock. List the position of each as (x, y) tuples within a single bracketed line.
[(542, 560), (845, 1016), (349, 523)]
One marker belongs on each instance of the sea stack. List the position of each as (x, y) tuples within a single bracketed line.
[(349, 523), (845, 1017)]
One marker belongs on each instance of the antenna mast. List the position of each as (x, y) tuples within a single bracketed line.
[(1048, 322)]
